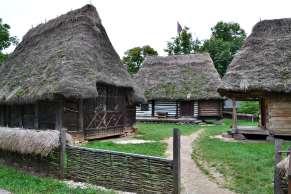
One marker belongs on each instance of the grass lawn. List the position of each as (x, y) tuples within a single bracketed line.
[(248, 166), (22, 183), (147, 131)]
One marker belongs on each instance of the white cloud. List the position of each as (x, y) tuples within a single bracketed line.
[(132, 23)]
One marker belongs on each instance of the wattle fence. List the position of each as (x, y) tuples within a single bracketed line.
[(124, 171)]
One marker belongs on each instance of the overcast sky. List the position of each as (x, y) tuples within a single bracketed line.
[(131, 23)]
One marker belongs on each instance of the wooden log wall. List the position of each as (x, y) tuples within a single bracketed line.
[(144, 113), (71, 115), (196, 109), (279, 115), (210, 108), (166, 106)]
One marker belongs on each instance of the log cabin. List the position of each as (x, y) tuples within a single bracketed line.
[(179, 87), (68, 66), (261, 71)]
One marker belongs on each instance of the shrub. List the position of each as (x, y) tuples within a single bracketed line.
[(249, 107)]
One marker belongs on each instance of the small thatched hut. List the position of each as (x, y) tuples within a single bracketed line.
[(180, 86), (68, 66), (262, 71)]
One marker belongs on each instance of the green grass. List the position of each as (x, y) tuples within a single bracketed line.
[(153, 149), (160, 131), (146, 131), (248, 166), (22, 183)]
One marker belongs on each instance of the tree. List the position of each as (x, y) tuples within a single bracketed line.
[(5, 39), (183, 43), (226, 39), (134, 57)]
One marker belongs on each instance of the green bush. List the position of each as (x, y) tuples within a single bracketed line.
[(249, 107)]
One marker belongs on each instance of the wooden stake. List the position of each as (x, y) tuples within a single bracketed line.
[(289, 172), (278, 147), (176, 161), (59, 127)]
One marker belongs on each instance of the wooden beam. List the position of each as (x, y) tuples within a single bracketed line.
[(176, 161), (234, 117), (153, 108), (177, 111), (59, 127), (36, 115), (81, 115), (2, 114), (277, 180)]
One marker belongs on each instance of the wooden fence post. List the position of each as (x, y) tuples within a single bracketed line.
[(176, 161), (289, 171), (278, 147), (59, 127), (234, 117)]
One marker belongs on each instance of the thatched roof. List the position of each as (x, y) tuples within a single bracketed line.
[(67, 55), (264, 62), (29, 141), (179, 77)]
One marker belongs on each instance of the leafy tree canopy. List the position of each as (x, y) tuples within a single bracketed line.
[(226, 39), (5, 39), (134, 57), (183, 43)]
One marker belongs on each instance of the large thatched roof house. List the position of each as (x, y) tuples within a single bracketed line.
[(262, 71), (67, 63), (180, 86)]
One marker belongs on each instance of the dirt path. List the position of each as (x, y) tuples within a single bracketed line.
[(193, 180)]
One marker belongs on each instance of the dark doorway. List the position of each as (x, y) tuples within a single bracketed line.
[(187, 108)]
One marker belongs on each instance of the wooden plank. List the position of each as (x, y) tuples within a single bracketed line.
[(176, 161), (81, 115), (36, 113), (275, 124), (234, 117), (278, 147)]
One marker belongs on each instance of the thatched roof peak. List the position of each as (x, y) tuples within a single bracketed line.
[(263, 64), (65, 56), (179, 77), (88, 12)]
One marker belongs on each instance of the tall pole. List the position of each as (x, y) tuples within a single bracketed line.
[(59, 127), (176, 161)]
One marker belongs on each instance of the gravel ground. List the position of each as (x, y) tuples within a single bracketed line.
[(194, 181)]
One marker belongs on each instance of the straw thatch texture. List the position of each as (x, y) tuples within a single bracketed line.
[(67, 55), (179, 77), (28, 141), (263, 64)]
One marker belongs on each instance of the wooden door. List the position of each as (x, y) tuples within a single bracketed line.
[(187, 108)]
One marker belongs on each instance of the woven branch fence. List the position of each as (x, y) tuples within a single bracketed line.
[(124, 171), (282, 176), (110, 169)]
